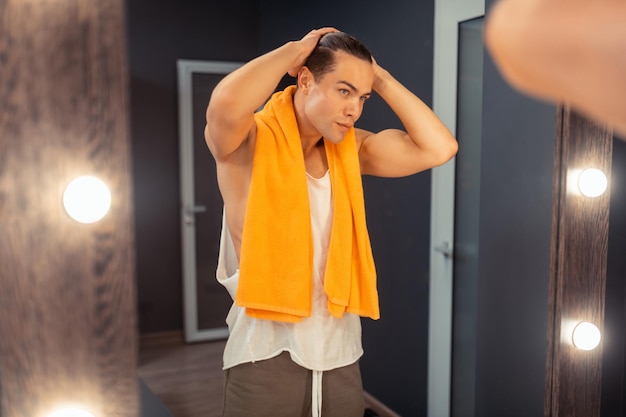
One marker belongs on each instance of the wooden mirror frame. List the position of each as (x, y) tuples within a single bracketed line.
[(579, 248), (68, 334)]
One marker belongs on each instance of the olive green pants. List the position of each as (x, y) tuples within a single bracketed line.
[(278, 387)]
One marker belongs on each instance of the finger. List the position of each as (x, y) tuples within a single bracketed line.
[(324, 31)]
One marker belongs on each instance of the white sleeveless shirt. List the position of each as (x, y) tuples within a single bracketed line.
[(320, 342)]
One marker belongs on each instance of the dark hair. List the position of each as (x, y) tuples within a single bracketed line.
[(322, 59)]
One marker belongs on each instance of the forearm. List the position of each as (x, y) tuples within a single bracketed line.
[(244, 90), (534, 42), (422, 125), (230, 113), (570, 51)]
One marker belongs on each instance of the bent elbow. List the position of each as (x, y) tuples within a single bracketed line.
[(451, 151), (447, 152), (219, 103)]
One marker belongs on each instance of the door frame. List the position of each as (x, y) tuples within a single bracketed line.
[(448, 15), (188, 207)]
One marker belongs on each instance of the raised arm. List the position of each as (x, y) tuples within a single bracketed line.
[(564, 51), (427, 142), (230, 113)]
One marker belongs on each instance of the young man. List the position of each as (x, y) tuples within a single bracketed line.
[(295, 253), (566, 51)]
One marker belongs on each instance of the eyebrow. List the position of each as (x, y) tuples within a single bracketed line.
[(353, 88)]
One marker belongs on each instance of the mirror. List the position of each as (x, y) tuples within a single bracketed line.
[(393, 19)]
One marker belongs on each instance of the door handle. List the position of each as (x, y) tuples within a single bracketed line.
[(190, 214), (445, 249), (191, 210)]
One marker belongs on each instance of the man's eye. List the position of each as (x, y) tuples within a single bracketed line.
[(364, 98), (344, 91)]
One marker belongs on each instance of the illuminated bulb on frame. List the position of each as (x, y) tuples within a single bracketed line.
[(586, 336), (592, 182), (71, 412), (87, 199)]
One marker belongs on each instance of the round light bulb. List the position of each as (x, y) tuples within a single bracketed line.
[(87, 199), (592, 182), (71, 412), (586, 336)]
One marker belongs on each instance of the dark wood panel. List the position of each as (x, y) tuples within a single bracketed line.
[(578, 268), (67, 302)]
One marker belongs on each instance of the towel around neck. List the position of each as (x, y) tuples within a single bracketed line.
[(275, 279)]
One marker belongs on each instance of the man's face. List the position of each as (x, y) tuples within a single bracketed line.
[(335, 102)]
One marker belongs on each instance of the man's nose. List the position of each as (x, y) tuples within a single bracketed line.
[(353, 109)]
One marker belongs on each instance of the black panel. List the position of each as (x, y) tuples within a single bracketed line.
[(614, 338), (466, 217)]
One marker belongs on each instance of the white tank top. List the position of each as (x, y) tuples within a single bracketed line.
[(320, 342)]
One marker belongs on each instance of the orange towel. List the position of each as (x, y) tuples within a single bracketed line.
[(275, 279)]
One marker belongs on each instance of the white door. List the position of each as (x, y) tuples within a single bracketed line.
[(449, 15), (206, 302)]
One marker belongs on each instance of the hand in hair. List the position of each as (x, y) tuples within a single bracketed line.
[(307, 44)]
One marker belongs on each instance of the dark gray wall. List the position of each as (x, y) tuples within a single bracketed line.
[(515, 225), (400, 35), (159, 33)]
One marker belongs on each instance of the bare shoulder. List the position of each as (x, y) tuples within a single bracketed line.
[(361, 135)]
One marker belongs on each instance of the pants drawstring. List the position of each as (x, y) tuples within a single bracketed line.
[(316, 395)]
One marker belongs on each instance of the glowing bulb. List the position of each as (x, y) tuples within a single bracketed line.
[(71, 412), (586, 336), (592, 182), (87, 199)]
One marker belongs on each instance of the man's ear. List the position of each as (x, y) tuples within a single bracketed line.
[(305, 79)]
